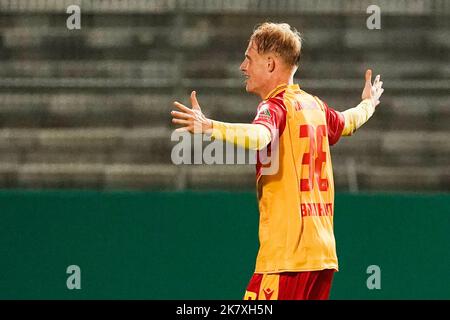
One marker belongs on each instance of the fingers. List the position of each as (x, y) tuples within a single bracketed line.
[(377, 79), (190, 118), (181, 121), (369, 76), (182, 107), (194, 102), (377, 87), (181, 115), (380, 84), (372, 91), (378, 93)]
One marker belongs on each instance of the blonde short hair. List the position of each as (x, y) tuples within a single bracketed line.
[(279, 38)]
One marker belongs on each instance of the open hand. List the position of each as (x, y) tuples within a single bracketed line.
[(193, 120), (372, 91)]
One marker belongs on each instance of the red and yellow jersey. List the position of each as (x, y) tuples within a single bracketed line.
[(296, 202)]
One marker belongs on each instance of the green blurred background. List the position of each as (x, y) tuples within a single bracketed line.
[(203, 245)]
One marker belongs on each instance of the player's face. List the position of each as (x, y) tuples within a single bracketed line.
[(254, 67)]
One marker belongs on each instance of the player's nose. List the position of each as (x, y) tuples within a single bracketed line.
[(243, 66)]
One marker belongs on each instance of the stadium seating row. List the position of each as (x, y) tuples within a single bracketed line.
[(170, 177), (90, 108), (408, 7)]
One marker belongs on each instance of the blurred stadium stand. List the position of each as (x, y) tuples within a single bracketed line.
[(90, 108)]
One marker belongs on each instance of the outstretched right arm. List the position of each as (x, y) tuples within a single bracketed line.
[(246, 135)]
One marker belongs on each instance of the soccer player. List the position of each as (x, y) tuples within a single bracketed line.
[(297, 253)]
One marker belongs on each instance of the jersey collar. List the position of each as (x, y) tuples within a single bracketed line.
[(280, 88)]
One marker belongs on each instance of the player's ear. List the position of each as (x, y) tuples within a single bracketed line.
[(270, 63)]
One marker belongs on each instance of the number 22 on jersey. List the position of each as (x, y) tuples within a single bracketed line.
[(315, 158)]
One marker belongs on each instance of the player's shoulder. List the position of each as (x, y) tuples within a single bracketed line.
[(311, 100), (270, 107), (274, 103), (322, 104)]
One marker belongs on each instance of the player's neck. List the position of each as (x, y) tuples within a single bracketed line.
[(276, 82)]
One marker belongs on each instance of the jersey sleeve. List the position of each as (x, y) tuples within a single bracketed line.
[(335, 124), (271, 115)]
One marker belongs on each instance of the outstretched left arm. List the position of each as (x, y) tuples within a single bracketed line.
[(357, 116)]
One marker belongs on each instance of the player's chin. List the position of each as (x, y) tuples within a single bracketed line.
[(248, 87)]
